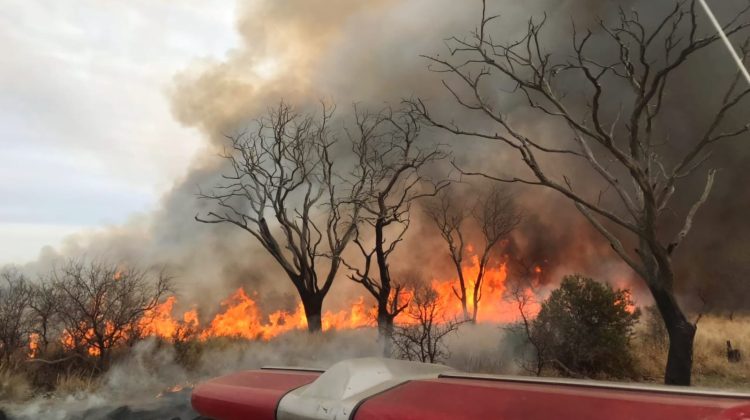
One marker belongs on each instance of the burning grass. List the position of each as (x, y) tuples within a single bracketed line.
[(153, 370), (165, 349)]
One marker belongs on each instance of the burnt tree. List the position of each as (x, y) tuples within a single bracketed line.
[(389, 170), (495, 216), (281, 188), (607, 94)]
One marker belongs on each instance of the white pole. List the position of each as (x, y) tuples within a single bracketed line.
[(724, 38)]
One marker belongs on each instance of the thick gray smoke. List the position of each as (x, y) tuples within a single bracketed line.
[(368, 52)]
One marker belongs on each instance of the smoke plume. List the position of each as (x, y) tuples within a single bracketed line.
[(368, 52)]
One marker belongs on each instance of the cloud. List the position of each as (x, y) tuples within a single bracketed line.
[(86, 135)]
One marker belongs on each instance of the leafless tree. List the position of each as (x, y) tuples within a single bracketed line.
[(44, 304), (284, 170), (496, 216), (389, 169), (101, 304), (15, 321), (450, 220), (422, 337), (520, 294), (626, 149)]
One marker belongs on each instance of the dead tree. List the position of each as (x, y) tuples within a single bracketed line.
[(389, 170), (422, 336), (495, 216), (283, 170), (622, 147), (100, 305), (15, 322)]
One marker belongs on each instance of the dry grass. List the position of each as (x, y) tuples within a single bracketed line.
[(14, 386), (75, 383), (710, 365), (481, 348)]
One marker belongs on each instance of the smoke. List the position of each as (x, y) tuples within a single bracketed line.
[(150, 381), (368, 52)]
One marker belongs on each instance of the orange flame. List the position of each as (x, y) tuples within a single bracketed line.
[(69, 342), (494, 307), (241, 317), (33, 345)]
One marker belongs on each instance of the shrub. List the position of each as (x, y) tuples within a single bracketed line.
[(101, 305), (422, 338), (586, 328)]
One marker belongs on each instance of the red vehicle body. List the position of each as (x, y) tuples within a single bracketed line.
[(392, 390)]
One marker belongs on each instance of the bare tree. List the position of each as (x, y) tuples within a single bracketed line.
[(422, 337), (101, 304), (44, 304), (450, 218), (284, 170), (624, 148), (520, 294), (389, 170), (15, 322), (496, 216)]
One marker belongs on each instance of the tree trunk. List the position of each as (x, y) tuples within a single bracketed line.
[(313, 304), (102, 361), (385, 329), (681, 335), (462, 285)]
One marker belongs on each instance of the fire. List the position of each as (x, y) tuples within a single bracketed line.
[(158, 322), (241, 317), (494, 306), (358, 316), (33, 345), (69, 341)]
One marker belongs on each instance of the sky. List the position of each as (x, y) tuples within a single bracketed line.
[(87, 138)]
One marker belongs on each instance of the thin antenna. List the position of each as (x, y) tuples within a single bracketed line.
[(724, 38)]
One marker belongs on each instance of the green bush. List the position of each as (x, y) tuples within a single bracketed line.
[(584, 329)]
